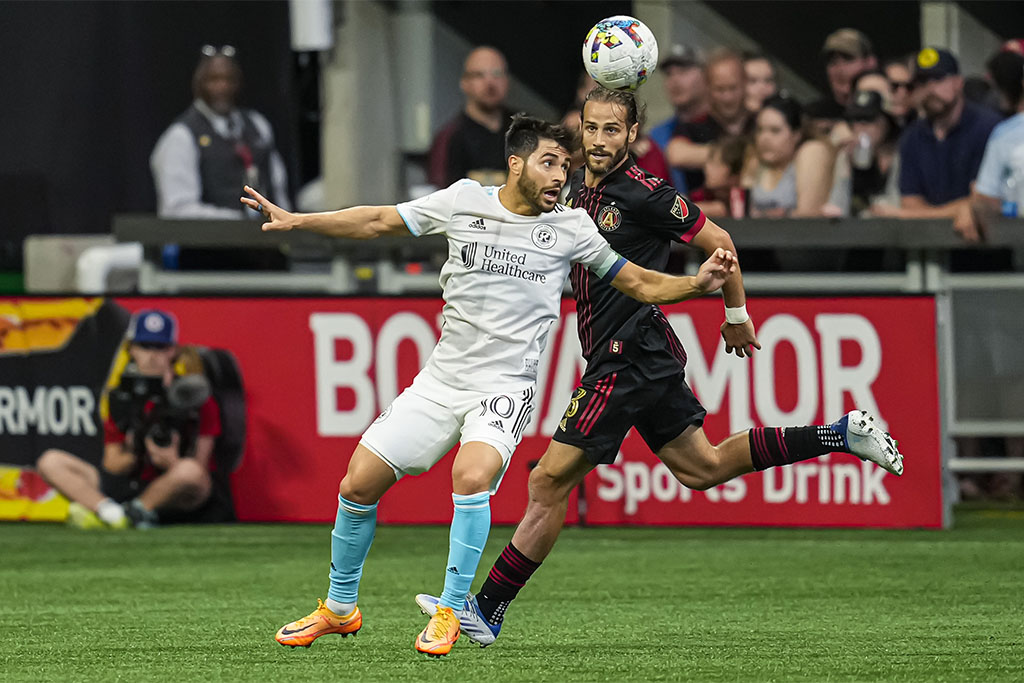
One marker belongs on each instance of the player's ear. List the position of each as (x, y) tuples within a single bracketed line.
[(515, 165), (633, 132)]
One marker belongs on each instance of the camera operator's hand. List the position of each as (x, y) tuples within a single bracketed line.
[(163, 457), (118, 458)]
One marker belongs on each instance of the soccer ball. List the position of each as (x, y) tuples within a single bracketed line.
[(620, 53)]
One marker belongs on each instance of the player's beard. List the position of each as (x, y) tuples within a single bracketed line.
[(605, 167), (531, 193)]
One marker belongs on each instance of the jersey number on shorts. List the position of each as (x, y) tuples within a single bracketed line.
[(574, 406), (502, 406)]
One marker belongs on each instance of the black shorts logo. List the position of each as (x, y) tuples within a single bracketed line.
[(573, 407), (574, 402)]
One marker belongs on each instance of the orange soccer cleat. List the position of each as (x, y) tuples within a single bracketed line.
[(321, 622), (440, 634)]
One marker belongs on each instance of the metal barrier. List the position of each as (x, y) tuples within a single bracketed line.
[(330, 265), (334, 266)]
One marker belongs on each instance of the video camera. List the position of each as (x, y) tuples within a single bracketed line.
[(145, 407)]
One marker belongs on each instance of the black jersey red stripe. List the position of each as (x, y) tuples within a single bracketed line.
[(647, 215), (640, 175), (602, 392)]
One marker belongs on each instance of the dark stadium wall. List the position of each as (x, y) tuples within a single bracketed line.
[(1005, 19), (560, 27), (89, 86)]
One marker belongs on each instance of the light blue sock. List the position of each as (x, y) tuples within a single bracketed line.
[(471, 524), (354, 528)]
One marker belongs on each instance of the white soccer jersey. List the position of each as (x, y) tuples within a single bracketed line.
[(502, 281)]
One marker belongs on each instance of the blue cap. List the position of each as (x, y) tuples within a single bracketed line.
[(935, 63), (153, 327)]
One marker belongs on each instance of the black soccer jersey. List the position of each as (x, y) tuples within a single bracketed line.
[(640, 215)]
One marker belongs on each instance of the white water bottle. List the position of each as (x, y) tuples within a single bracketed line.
[(863, 154)]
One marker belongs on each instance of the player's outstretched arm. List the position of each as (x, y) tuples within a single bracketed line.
[(358, 222), (739, 336), (652, 287)]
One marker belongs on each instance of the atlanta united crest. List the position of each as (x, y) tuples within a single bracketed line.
[(544, 236), (609, 219)]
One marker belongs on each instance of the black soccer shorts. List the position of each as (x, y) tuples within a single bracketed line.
[(605, 406)]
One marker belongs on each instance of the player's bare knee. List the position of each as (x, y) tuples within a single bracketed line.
[(189, 477), (189, 471), (353, 490), (470, 481), (49, 461)]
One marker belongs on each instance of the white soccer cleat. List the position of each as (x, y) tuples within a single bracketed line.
[(868, 442), (472, 624)]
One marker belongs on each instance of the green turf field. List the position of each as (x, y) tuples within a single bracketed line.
[(202, 604)]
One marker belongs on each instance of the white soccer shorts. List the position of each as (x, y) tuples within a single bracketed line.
[(430, 417)]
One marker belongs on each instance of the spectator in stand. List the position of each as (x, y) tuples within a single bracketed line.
[(843, 141), (571, 118), (686, 90), (1000, 185), (901, 80), (1005, 70), (792, 173), (941, 153), (874, 152), (648, 155), (847, 53), (1014, 45), (760, 78), (873, 80), (980, 90), (472, 144), (723, 193), (143, 481), (999, 190), (727, 115), (215, 147)]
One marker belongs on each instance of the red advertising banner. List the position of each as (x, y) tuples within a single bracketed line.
[(318, 371)]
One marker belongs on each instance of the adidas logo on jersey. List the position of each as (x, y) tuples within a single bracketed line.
[(478, 224), (454, 570), (497, 424)]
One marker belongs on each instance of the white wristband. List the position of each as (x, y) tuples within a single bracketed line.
[(736, 316)]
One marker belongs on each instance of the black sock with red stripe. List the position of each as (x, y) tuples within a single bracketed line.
[(774, 446), (510, 572)]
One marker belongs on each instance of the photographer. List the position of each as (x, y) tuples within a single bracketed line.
[(158, 444)]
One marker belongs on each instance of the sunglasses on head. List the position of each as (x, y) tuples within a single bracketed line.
[(223, 51)]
